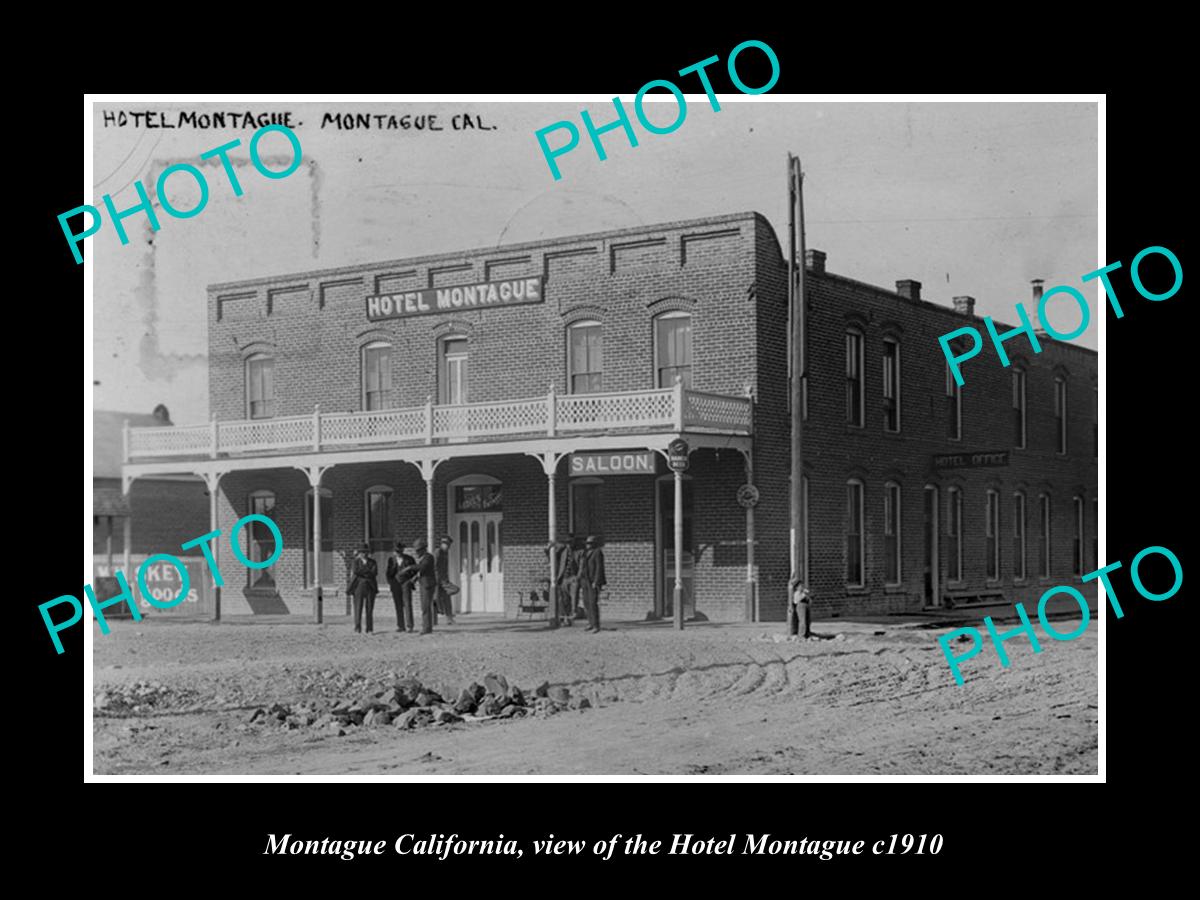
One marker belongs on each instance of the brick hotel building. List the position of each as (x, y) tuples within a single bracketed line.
[(500, 394)]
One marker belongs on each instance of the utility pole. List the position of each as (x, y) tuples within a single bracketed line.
[(799, 614)]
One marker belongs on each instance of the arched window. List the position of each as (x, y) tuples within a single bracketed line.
[(377, 523), (585, 357), (855, 549), (1018, 536), (1060, 412), (376, 375), (992, 535), (452, 370), (891, 533), (673, 349), (855, 382), (953, 407), (1077, 543), (954, 533), (1044, 536), (1018, 405), (260, 386), (891, 384), (260, 540)]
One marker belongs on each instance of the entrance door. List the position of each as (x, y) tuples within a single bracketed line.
[(479, 564), (666, 549), (476, 556), (933, 587)]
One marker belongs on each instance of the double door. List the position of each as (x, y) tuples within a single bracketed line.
[(477, 558)]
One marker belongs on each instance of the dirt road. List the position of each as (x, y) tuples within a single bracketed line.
[(714, 699)]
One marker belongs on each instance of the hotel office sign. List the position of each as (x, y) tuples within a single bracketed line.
[(970, 460), (489, 294)]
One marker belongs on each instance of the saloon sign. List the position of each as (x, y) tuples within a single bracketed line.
[(467, 296), (618, 462)]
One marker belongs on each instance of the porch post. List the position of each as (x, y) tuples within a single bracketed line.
[(127, 545), (677, 598), (314, 478), (428, 466), (213, 480), (748, 458), (551, 465)]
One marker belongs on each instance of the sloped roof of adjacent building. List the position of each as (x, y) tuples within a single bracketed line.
[(108, 447)]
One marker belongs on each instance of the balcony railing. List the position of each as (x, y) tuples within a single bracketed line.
[(670, 409)]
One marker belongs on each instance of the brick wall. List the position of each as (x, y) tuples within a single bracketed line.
[(729, 273), (315, 326), (621, 279), (835, 451)]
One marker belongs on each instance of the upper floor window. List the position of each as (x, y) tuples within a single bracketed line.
[(1060, 412), (854, 379), (260, 386), (585, 357), (377, 375), (452, 377), (673, 349), (953, 406), (1018, 405), (891, 384)]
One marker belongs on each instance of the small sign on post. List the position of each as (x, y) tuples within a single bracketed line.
[(677, 455)]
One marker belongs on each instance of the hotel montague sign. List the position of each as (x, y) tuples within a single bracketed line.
[(512, 292)]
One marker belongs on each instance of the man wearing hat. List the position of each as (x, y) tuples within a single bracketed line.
[(424, 572), (401, 587), (364, 585), (593, 579), (575, 553), (442, 566), (564, 579)]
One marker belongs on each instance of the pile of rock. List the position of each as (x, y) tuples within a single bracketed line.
[(410, 704), (141, 697)]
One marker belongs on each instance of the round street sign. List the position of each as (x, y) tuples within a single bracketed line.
[(747, 496), (677, 455)]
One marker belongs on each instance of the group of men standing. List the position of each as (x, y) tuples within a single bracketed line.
[(428, 573), (578, 576)]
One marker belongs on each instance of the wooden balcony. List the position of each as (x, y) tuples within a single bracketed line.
[(554, 415)]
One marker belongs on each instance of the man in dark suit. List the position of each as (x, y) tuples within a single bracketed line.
[(445, 604), (593, 579), (564, 580), (364, 585), (575, 554), (401, 588), (424, 572)]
